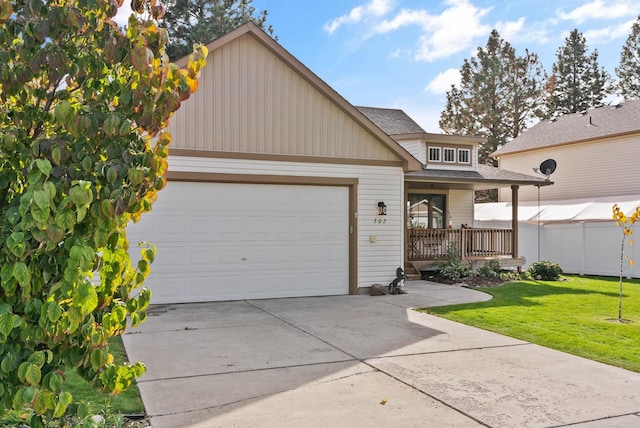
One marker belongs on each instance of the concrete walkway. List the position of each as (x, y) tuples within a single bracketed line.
[(361, 361)]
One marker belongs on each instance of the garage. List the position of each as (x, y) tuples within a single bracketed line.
[(234, 241)]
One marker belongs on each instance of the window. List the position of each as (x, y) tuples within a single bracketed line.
[(434, 154), (449, 155), (464, 156), (426, 211)]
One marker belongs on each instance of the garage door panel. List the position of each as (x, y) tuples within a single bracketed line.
[(169, 257), (225, 241)]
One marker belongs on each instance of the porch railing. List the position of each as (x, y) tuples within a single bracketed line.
[(433, 244)]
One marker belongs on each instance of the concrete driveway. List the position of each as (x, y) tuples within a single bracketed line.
[(361, 361)]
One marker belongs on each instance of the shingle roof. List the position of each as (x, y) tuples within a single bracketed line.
[(391, 121), (485, 174), (592, 124)]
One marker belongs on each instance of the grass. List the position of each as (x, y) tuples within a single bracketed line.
[(128, 402), (577, 315), (112, 408)]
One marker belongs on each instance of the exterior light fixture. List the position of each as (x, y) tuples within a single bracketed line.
[(382, 208)]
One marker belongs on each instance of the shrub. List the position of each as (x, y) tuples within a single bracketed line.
[(452, 268), (545, 271), (490, 269)]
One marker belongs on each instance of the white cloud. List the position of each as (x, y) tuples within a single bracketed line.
[(374, 8), (443, 81), (600, 9), (609, 33), (454, 30), (511, 29)]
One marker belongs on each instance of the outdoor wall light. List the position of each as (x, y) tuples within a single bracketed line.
[(382, 208)]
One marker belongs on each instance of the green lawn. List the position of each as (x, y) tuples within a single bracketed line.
[(128, 402), (577, 315)]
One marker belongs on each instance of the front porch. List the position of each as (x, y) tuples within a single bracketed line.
[(426, 247)]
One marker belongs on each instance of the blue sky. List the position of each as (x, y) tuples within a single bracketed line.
[(406, 53)]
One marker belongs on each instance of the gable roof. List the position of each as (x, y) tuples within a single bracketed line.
[(391, 121), (593, 124), (400, 126), (408, 162)]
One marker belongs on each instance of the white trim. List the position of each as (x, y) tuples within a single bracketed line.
[(439, 151), (468, 161), (444, 154)]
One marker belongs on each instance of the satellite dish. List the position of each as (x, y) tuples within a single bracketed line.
[(548, 167)]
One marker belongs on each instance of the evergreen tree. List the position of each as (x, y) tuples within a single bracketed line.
[(498, 94), (190, 22), (578, 82), (628, 71)]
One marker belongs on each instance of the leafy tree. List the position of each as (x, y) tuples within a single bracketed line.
[(190, 22), (578, 82), (498, 95), (82, 107), (628, 71), (625, 223)]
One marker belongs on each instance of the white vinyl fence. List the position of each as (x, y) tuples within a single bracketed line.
[(587, 248)]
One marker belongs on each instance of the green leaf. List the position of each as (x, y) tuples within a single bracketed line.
[(81, 194), (65, 219), (85, 297), (55, 382), (37, 358), (41, 198), (119, 313), (6, 323), (62, 111), (33, 374), (44, 166), (53, 311), (15, 243), (21, 274)]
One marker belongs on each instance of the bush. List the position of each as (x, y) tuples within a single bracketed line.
[(452, 268), (490, 269), (545, 271)]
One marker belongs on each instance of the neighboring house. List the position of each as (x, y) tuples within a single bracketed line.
[(597, 158), (596, 152), (279, 187)]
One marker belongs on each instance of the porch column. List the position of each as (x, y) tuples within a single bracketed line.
[(514, 221)]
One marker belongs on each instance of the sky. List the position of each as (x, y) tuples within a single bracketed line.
[(406, 54)]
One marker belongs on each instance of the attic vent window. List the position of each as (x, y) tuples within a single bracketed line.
[(464, 156), (449, 155), (434, 154)]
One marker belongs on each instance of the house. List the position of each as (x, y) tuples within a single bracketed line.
[(449, 176), (596, 152), (279, 187)]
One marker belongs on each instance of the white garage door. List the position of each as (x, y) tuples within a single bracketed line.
[(227, 241)]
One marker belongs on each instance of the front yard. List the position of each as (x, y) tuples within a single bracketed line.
[(576, 315)]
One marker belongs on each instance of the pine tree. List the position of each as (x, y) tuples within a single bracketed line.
[(628, 71), (498, 94), (190, 22), (577, 82)]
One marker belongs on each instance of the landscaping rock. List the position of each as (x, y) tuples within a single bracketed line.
[(378, 290)]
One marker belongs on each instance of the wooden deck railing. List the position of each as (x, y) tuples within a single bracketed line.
[(433, 244)]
